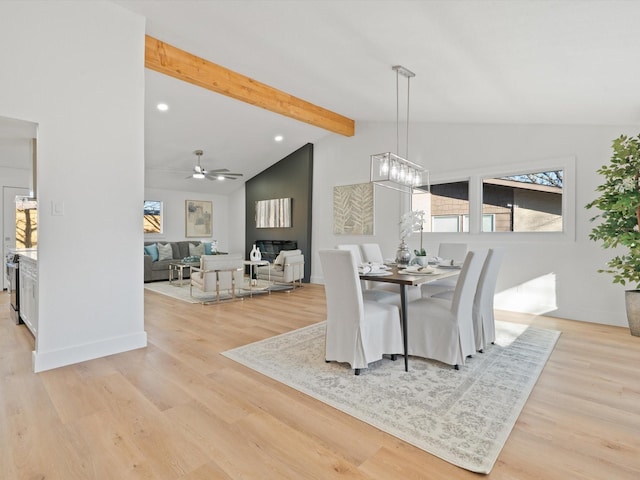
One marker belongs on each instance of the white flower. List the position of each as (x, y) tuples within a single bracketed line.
[(411, 222)]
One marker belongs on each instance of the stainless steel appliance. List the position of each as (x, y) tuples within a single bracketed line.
[(13, 277)]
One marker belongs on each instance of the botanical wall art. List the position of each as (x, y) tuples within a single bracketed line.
[(198, 218), (353, 209)]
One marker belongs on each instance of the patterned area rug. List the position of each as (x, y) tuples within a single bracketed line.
[(179, 292), (463, 417)]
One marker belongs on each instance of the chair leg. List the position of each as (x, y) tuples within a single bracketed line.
[(456, 366), (357, 371), (394, 357), (481, 350)]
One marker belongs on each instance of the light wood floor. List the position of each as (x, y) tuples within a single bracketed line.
[(179, 410)]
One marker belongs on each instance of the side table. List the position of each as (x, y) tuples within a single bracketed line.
[(252, 264), (178, 267)]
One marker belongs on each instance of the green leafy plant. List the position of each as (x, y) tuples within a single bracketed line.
[(619, 203)]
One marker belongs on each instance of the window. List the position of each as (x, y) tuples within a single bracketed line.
[(535, 200), (446, 205), (152, 216), (26, 222), (530, 202)]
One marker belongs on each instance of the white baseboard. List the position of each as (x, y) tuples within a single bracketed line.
[(79, 353)]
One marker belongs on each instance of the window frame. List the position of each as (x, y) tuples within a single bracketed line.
[(161, 217), (476, 177)]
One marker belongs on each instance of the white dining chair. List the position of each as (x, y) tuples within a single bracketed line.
[(442, 329), (354, 249), (484, 319), (452, 251), (359, 331), (372, 253), (484, 324), (446, 251)]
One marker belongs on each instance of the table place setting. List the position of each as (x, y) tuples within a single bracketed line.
[(449, 264), (418, 270), (374, 269)]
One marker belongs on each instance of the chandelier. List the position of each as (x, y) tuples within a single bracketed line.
[(390, 169)]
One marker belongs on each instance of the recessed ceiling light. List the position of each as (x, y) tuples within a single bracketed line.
[(163, 107), (278, 138)]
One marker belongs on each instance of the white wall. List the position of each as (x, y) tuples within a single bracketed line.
[(237, 225), (76, 69), (173, 204), (555, 276)]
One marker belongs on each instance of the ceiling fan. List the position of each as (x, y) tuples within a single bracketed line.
[(218, 174)]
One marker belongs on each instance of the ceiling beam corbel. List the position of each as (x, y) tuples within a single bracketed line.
[(164, 58)]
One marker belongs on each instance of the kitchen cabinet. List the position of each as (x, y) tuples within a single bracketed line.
[(29, 292)]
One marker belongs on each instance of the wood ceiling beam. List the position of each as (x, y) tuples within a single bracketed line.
[(164, 58)]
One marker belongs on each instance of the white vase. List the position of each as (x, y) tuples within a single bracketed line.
[(255, 254)]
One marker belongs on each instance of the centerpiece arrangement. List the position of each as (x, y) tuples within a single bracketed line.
[(619, 203), (410, 222)]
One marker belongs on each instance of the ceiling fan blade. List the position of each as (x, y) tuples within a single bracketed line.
[(226, 176), (218, 170)]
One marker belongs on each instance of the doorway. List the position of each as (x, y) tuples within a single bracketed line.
[(17, 171)]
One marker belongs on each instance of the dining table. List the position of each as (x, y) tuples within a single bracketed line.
[(400, 276)]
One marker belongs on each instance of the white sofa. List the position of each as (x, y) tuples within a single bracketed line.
[(287, 268)]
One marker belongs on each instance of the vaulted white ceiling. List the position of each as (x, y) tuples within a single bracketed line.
[(521, 61)]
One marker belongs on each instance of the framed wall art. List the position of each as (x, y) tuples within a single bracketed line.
[(353, 212), (198, 218), (275, 213)]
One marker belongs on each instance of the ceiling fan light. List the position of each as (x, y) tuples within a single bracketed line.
[(198, 175), (220, 177)]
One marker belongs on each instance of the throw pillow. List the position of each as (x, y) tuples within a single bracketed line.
[(279, 259), (165, 252), (211, 248), (152, 250), (196, 250)]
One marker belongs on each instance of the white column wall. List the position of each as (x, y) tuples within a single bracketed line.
[(77, 69), (554, 276)]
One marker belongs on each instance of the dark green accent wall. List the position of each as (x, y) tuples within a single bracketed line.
[(291, 177)]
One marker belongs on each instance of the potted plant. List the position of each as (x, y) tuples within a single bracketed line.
[(619, 204)]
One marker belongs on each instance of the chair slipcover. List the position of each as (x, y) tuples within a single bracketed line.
[(446, 251), (355, 250), (441, 329), (372, 253), (357, 255), (452, 251), (483, 317), (358, 331)]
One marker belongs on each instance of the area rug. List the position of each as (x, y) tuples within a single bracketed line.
[(462, 416), (181, 292)]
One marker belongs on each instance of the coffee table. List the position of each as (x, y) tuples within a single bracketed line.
[(178, 267)]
